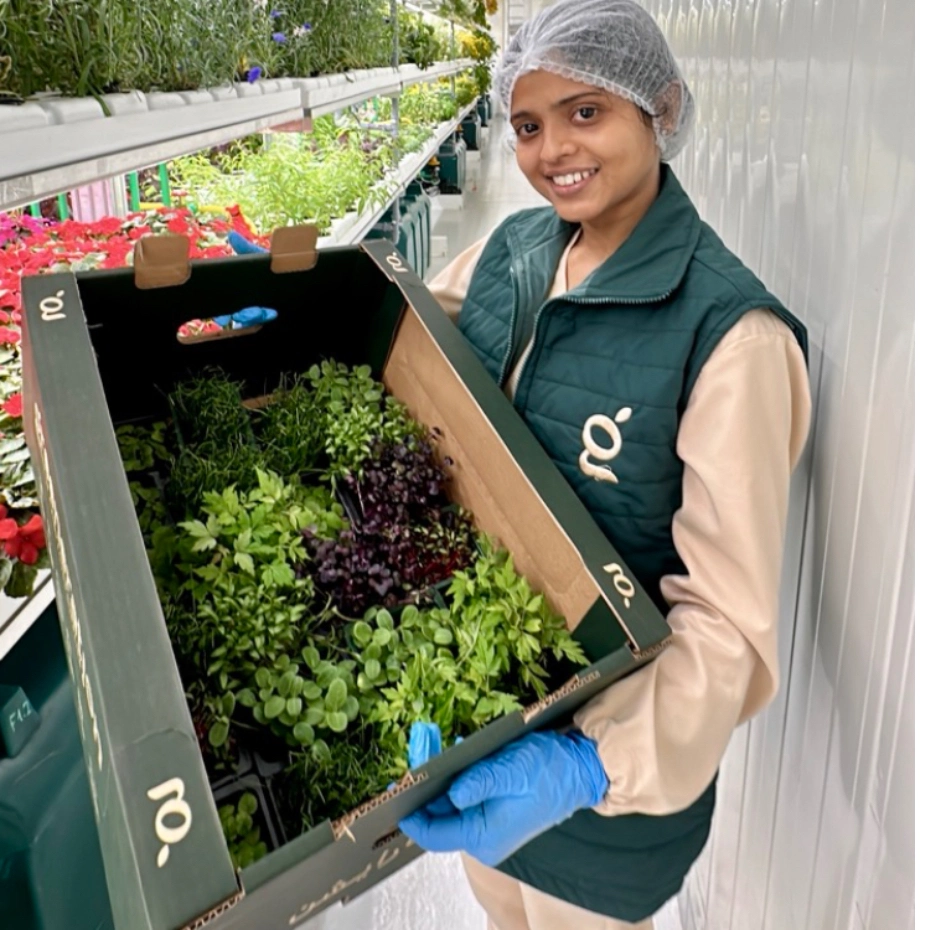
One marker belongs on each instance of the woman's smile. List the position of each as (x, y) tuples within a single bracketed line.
[(571, 182)]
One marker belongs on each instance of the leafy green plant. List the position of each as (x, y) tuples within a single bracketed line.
[(466, 90), (258, 533), (326, 783), (298, 707), (291, 430), (480, 46), (85, 47), (17, 478), (419, 42), (218, 447), (463, 665), (357, 414), (207, 469), (144, 448), (294, 179), (208, 409), (243, 838), (267, 650)]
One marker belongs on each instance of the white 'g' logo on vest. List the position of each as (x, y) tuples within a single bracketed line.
[(592, 449)]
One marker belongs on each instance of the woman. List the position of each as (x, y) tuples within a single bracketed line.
[(618, 300)]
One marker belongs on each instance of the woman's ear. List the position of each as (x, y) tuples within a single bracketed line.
[(668, 107)]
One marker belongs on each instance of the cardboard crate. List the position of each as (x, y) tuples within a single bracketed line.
[(102, 350)]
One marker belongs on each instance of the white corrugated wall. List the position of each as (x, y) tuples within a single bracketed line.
[(803, 160)]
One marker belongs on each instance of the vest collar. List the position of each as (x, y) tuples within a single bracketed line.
[(653, 260)]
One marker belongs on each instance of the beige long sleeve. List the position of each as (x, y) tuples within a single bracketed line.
[(450, 286), (662, 732)]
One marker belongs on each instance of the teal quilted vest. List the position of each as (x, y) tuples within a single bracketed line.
[(610, 369)]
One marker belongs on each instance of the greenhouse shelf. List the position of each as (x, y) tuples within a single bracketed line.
[(322, 95), (18, 614), (355, 226), (54, 144)]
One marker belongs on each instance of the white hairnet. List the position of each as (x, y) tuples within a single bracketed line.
[(611, 44)]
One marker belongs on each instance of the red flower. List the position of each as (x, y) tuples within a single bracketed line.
[(4, 316), (137, 232), (8, 336), (13, 405), (177, 225), (23, 542), (105, 227), (9, 528)]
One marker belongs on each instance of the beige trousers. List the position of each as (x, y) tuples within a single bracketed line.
[(511, 905)]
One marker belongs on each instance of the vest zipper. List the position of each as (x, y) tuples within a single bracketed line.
[(592, 301)]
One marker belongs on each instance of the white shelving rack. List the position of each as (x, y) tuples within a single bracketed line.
[(56, 144), (354, 227)]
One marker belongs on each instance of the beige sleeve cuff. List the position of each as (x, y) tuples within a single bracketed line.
[(450, 286), (662, 732)]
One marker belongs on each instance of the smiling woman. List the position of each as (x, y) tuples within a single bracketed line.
[(669, 387), (590, 153)]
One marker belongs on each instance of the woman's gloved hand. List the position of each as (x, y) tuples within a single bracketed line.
[(500, 804)]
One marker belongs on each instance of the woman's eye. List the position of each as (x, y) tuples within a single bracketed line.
[(527, 129), (586, 113)]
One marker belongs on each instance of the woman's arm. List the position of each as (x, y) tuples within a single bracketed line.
[(662, 732)]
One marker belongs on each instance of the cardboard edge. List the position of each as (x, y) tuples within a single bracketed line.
[(161, 261), (575, 683), (343, 826), (209, 916), (643, 656)]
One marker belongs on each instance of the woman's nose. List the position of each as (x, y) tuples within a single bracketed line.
[(557, 144)]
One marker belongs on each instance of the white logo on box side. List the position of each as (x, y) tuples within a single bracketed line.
[(396, 262), (173, 791), (625, 588), (52, 308)]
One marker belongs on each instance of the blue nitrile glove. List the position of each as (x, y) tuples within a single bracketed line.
[(241, 246), (502, 803), (425, 742), (251, 316)]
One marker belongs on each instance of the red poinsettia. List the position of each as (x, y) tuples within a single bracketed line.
[(177, 225), (22, 542), (8, 336), (13, 405), (108, 226)]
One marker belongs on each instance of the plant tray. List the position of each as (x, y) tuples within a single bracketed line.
[(101, 350)]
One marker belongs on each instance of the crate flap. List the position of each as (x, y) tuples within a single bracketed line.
[(152, 802)]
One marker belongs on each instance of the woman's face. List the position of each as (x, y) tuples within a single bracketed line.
[(591, 154)]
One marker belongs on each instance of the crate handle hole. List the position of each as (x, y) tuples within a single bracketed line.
[(226, 326)]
